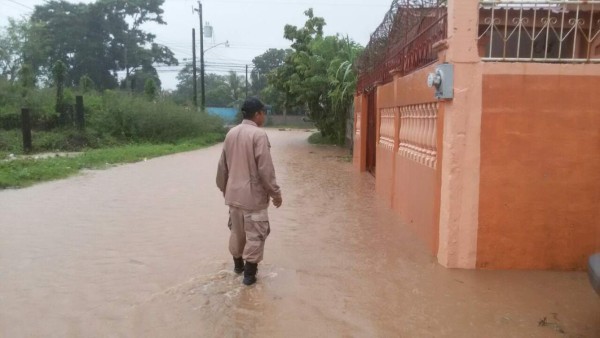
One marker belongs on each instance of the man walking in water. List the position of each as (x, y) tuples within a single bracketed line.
[(246, 177)]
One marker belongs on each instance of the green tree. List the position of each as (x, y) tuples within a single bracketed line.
[(11, 40), (318, 75), (98, 39), (86, 84), (27, 80), (59, 72), (137, 79), (236, 88), (264, 64), (184, 93), (220, 90)]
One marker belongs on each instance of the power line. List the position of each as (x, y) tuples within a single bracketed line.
[(207, 65), (287, 3), (231, 45), (20, 4), (225, 58), (185, 45), (213, 63), (254, 45)]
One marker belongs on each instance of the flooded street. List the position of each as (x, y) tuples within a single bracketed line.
[(140, 250)]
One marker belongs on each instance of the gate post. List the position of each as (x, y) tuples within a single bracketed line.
[(26, 129), (79, 116)]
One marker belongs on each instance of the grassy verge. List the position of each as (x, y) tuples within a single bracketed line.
[(317, 138), (25, 172)]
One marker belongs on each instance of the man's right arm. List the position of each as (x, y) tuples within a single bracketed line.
[(222, 173), (266, 171)]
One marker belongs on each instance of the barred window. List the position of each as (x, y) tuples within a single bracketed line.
[(539, 31)]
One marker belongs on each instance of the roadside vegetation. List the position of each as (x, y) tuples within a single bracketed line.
[(24, 172), (125, 119), (105, 57), (120, 127)]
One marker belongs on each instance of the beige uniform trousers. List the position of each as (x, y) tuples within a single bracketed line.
[(249, 230)]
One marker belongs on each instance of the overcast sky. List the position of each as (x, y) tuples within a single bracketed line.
[(250, 26)]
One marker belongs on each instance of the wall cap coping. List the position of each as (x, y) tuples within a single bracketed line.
[(396, 71), (440, 45)]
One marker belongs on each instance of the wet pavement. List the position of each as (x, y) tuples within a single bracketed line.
[(140, 250)]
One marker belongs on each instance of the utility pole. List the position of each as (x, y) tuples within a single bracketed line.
[(203, 96), (194, 68), (246, 81)]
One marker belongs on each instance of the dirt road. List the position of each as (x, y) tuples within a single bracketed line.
[(140, 250)]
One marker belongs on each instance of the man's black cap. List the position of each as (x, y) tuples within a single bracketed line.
[(251, 106)]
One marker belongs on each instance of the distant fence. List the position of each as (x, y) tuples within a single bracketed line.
[(26, 122), (227, 114)]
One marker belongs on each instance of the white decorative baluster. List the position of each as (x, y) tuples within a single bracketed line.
[(402, 132), (431, 129), (425, 149), (409, 136), (417, 139), (417, 134), (434, 135), (422, 133)]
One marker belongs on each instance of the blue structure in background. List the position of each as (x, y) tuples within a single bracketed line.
[(227, 114)]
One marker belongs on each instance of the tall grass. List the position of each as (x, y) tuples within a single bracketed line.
[(135, 119), (120, 128), (112, 118)]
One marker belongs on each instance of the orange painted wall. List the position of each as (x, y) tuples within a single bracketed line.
[(412, 88), (416, 188), (384, 172), (356, 145), (411, 189), (360, 141), (540, 172)]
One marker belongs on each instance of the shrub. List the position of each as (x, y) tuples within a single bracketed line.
[(9, 106), (11, 141), (112, 117), (318, 138), (133, 118)]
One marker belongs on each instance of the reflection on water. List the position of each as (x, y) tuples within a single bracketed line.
[(141, 250)]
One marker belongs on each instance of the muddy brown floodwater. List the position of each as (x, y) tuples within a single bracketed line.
[(140, 250)]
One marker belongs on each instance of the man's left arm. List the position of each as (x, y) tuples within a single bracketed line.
[(222, 173)]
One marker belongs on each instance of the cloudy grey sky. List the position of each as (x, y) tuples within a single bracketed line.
[(250, 26)]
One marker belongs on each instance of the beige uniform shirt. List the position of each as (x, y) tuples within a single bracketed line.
[(246, 174)]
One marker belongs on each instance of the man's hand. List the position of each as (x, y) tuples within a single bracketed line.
[(277, 201)]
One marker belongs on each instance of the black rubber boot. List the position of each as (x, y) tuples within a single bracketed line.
[(238, 265), (250, 270)]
